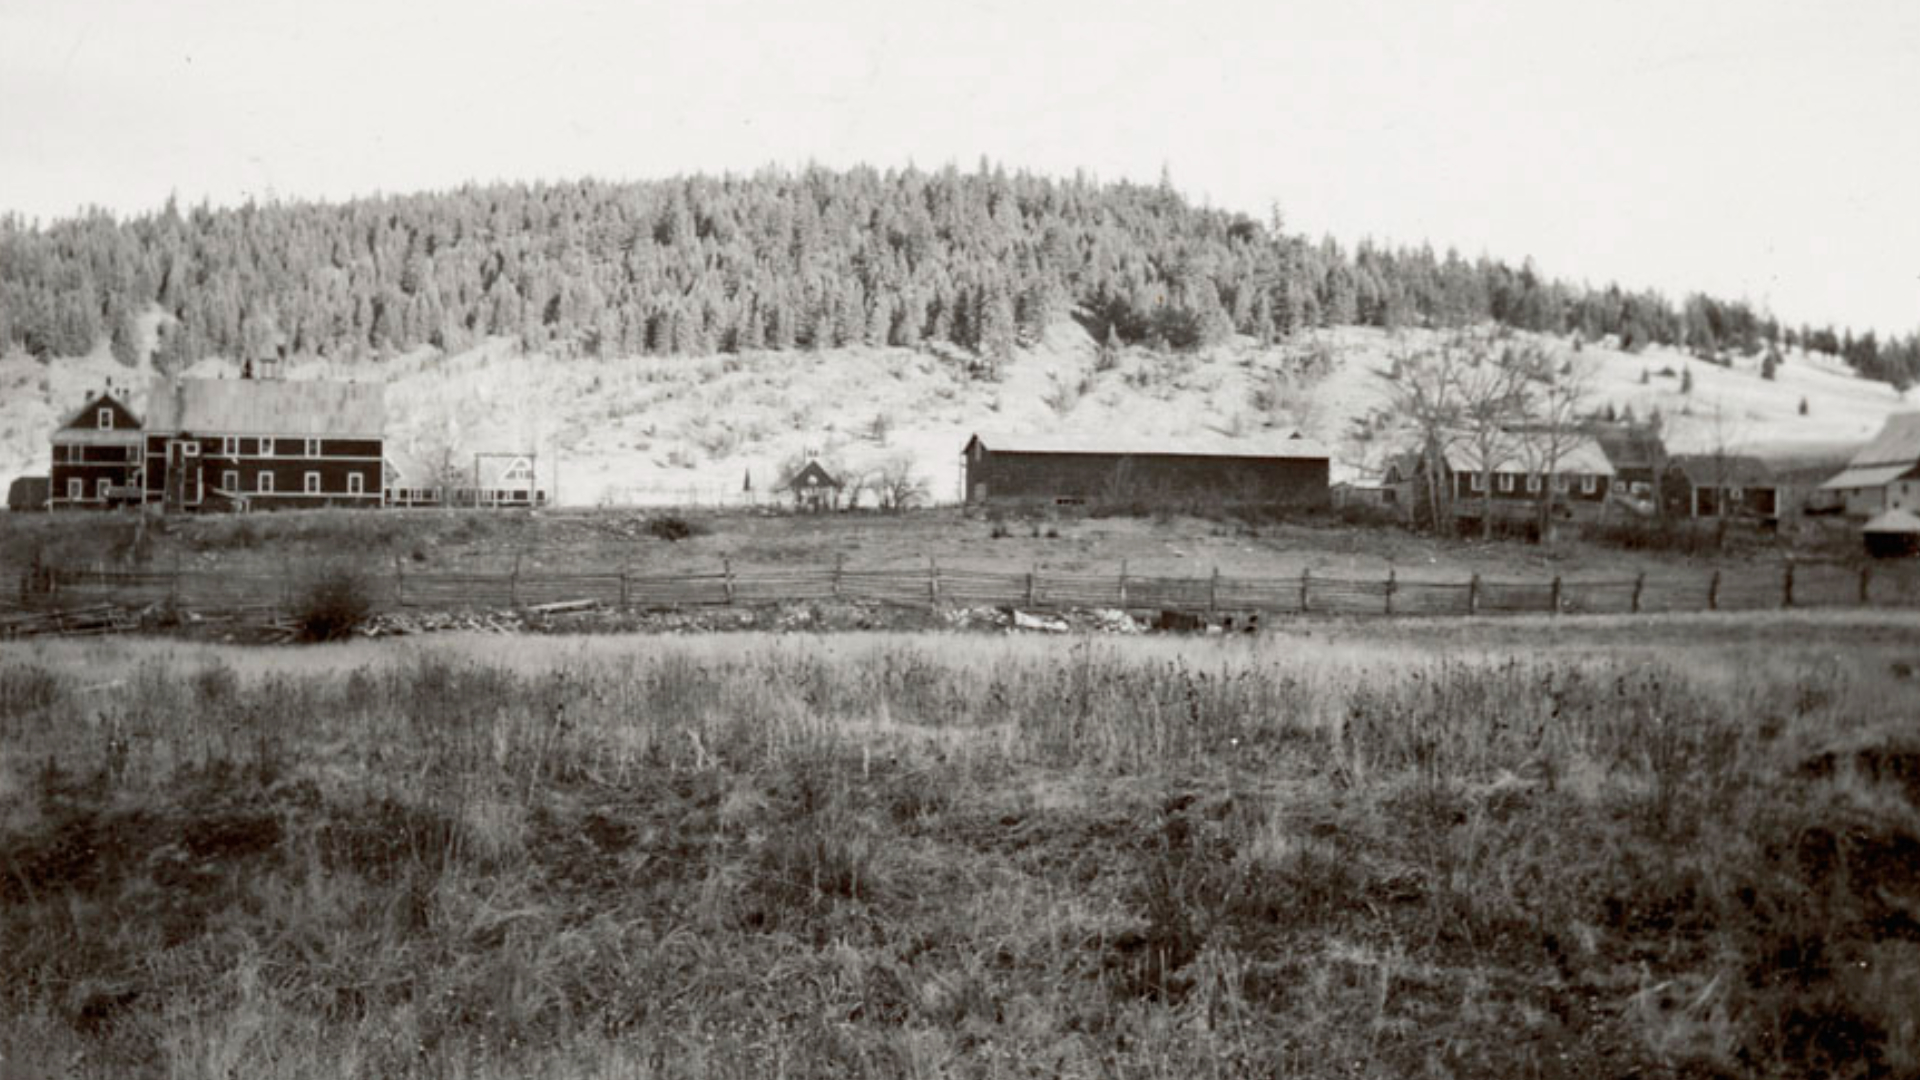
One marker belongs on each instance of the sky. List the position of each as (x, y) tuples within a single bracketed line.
[(1760, 149)]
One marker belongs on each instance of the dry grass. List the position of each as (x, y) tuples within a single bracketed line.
[(1662, 851)]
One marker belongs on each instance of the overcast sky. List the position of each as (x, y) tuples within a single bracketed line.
[(1761, 148)]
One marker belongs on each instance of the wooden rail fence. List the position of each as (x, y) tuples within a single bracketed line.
[(64, 593)]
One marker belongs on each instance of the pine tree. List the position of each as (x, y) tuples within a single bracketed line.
[(1803, 406), (1686, 380)]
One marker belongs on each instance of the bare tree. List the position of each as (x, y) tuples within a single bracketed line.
[(1493, 390), (1422, 387), (895, 484), (1555, 423), (1719, 434)]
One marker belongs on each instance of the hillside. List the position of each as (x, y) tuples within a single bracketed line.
[(673, 430)]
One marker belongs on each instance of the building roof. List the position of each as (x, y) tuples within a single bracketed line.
[(81, 429), (1148, 446), (1897, 444), (1893, 521), (811, 475), (1871, 476), (276, 407), (1728, 470), (506, 472), (1630, 446), (1581, 456)]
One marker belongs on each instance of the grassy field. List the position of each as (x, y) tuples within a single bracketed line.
[(1175, 546), (1684, 846)]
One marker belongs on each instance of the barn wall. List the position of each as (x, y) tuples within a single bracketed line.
[(1012, 476)]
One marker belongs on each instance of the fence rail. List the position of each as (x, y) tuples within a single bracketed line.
[(43, 593)]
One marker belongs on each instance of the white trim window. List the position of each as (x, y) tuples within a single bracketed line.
[(266, 447), (1589, 484), (1533, 483), (1506, 481), (313, 483), (1562, 483), (356, 484), (263, 483), (76, 489), (1478, 481), (312, 448), (104, 418), (102, 488), (230, 482), (229, 446)]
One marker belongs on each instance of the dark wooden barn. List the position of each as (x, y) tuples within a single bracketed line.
[(96, 457), (253, 444), (1066, 470)]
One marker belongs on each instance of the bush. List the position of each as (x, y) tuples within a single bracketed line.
[(333, 606), (673, 528)]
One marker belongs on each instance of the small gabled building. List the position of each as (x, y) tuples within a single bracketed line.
[(28, 494), (504, 481), (97, 457), (1582, 476), (258, 444), (1884, 474), (408, 481), (813, 488)]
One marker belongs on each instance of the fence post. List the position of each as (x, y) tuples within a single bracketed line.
[(1866, 585), (1553, 601), (839, 567), (513, 583), (1473, 595), (1213, 590), (1031, 573), (1390, 583), (1639, 583), (399, 581), (1306, 580), (1713, 591), (623, 585), (933, 580), (1123, 583), (1786, 586), (726, 575)]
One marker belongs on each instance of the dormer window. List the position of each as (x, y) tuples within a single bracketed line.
[(104, 418)]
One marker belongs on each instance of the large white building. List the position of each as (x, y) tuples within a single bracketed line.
[(1885, 474)]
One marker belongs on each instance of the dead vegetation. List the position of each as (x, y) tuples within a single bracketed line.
[(893, 856)]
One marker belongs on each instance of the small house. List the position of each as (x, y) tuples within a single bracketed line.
[(96, 457), (1581, 477), (1726, 486), (1884, 474), (408, 481), (814, 488), (504, 481)]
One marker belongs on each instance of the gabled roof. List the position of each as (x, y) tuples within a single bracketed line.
[(1893, 521), (1730, 470), (1147, 446), (506, 472), (1630, 446), (276, 407), (1871, 476), (82, 428), (1580, 455), (811, 475), (1898, 443)]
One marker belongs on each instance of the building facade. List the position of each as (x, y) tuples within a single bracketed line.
[(1884, 474), (261, 444), (96, 457)]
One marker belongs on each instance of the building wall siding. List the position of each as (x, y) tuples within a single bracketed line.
[(1014, 476)]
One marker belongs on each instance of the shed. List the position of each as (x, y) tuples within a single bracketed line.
[(1727, 485), (1893, 534), (29, 493), (814, 488), (1066, 469)]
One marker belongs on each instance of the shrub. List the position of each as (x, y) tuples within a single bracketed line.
[(333, 606), (673, 528)]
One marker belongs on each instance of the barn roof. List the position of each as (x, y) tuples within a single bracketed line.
[(1870, 476), (1893, 521), (278, 407), (1730, 470), (1149, 446), (1897, 444)]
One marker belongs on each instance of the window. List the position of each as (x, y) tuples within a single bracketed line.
[(313, 483), (104, 418), (1479, 481), (1533, 483), (1589, 484), (266, 447), (1561, 482), (1735, 494), (230, 482), (1506, 481), (356, 484), (229, 446), (102, 487), (76, 489), (190, 449), (263, 483), (313, 448)]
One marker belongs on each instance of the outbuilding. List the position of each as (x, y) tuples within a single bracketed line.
[(1073, 469), (1893, 534)]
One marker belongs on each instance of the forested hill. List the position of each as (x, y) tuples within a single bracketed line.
[(778, 260)]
